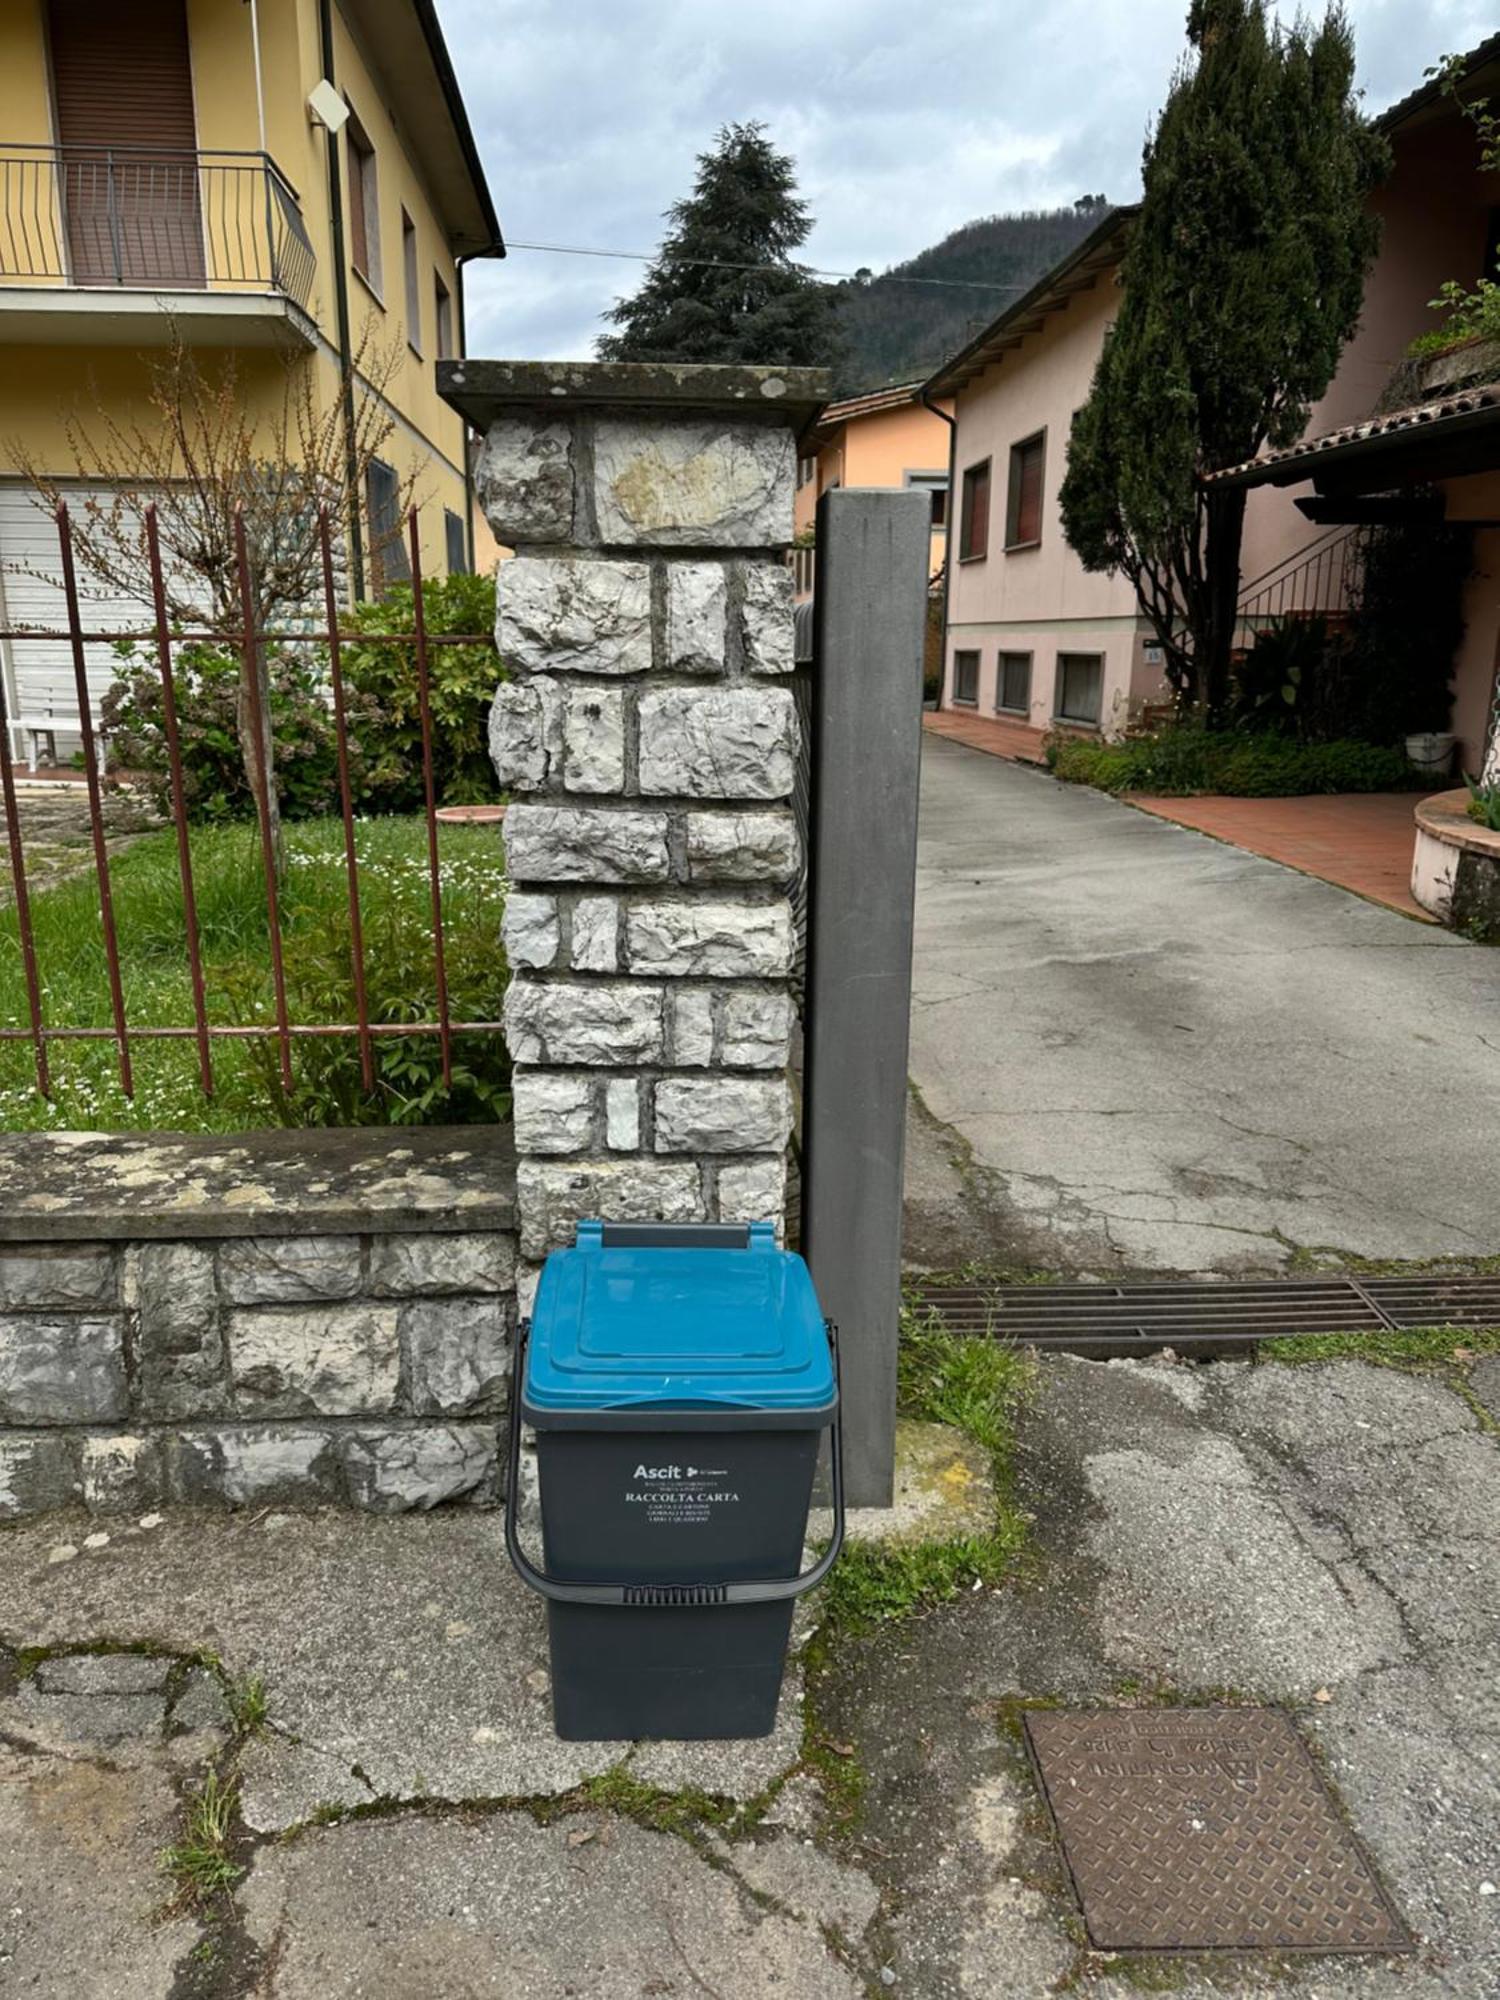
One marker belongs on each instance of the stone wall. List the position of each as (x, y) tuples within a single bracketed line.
[(283, 1318), (650, 738)]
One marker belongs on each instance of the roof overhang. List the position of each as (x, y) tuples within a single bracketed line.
[(404, 40), (1412, 447), (1475, 73), (1098, 254)]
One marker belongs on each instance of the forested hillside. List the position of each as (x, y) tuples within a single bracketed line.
[(895, 332)]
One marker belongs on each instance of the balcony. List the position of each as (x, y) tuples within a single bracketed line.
[(126, 246)]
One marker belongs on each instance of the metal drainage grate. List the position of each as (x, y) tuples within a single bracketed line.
[(1205, 1829), (1202, 1317)]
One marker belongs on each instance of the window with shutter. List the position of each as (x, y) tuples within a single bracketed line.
[(1080, 687), (364, 205), (389, 561), (413, 283), (966, 679), (1023, 506), (456, 538), (974, 521), (1013, 683)]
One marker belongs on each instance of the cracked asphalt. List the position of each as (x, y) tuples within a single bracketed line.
[(1136, 1049), (1317, 1537)]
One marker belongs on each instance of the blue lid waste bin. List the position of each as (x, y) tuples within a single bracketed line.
[(679, 1380)]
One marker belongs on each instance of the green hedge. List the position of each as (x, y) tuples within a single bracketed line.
[(1240, 765)]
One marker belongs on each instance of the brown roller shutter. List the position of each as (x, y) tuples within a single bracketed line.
[(122, 82)]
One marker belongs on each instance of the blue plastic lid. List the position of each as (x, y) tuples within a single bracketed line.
[(618, 1325)]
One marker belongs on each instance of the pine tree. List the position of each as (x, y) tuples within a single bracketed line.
[(1242, 280), (723, 286)]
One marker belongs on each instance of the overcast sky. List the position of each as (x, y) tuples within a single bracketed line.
[(905, 120)]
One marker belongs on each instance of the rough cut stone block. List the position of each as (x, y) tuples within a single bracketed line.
[(753, 1191), (340, 1361), (529, 929), (121, 1475), (741, 847), (593, 727), (405, 1267), (553, 1114), (755, 1029), (615, 1024), (691, 1045), (722, 1114), (574, 614), (61, 1368), (247, 1465), (717, 743), (421, 1466), (554, 1195), (525, 732), (585, 844), (766, 629), (180, 1358), (523, 480), (457, 1353), (710, 939), (697, 614), (274, 1270), (622, 1115), (596, 934), (38, 1471), (61, 1274), (708, 483)]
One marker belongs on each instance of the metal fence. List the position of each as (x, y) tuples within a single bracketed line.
[(124, 216), (247, 640)]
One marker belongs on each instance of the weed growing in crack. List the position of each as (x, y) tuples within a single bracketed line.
[(247, 1704), (200, 1863)]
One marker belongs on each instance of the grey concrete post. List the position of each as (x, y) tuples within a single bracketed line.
[(867, 738)]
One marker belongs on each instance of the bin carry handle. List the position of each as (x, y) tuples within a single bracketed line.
[(639, 1596)]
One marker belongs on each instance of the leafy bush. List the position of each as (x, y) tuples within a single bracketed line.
[(1181, 761), (1484, 804), (1408, 621), (1294, 681), (381, 701), (1467, 316)]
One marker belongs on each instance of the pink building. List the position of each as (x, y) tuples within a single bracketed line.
[(1031, 634)]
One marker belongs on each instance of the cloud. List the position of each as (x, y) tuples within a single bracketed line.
[(905, 121)]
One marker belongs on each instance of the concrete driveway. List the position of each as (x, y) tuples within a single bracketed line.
[(1136, 1048)]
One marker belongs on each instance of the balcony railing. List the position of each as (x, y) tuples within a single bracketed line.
[(147, 220)]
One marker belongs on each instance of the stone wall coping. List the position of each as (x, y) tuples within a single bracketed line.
[(481, 390), (101, 1186)]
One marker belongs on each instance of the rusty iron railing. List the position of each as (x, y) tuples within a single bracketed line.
[(161, 636)]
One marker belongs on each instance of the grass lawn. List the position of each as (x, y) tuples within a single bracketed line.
[(237, 970)]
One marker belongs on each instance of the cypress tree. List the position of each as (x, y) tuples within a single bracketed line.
[(1242, 280), (723, 286)]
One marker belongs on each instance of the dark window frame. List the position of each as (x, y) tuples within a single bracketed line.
[(456, 542), (966, 655), (974, 547), (389, 561), (1059, 714), (411, 278), (363, 175), (1002, 706), (442, 314), (1019, 452)]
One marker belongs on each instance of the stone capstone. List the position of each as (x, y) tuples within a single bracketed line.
[(553, 1194), (457, 1351), (603, 1022), (697, 611), (585, 844), (180, 1354), (574, 614), (529, 929), (523, 480), (741, 847), (717, 743), (711, 939), (63, 1274), (722, 1114), (427, 1266), (709, 483), (275, 1270), (337, 1361), (64, 1368), (766, 619), (553, 1113)]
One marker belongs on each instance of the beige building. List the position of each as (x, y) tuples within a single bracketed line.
[(291, 182), (887, 437)]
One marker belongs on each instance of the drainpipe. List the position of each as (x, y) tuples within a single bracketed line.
[(950, 527), (260, 90), (341, 298)]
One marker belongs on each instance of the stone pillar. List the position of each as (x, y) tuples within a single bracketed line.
[(649, 738)]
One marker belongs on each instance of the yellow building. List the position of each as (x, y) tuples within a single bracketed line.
[(287, 181), (887, 437)]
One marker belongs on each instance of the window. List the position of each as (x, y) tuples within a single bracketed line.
[(442, 315), (802, 570), (935, 483), (389, 562), (364, 206), (456, 537), (966, 679), (413, 283), (1013, 683), (1080, 687), (807, 470), (1023, 500), (974, 521)]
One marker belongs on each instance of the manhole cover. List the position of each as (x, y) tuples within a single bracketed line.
[(1205, 1829)]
